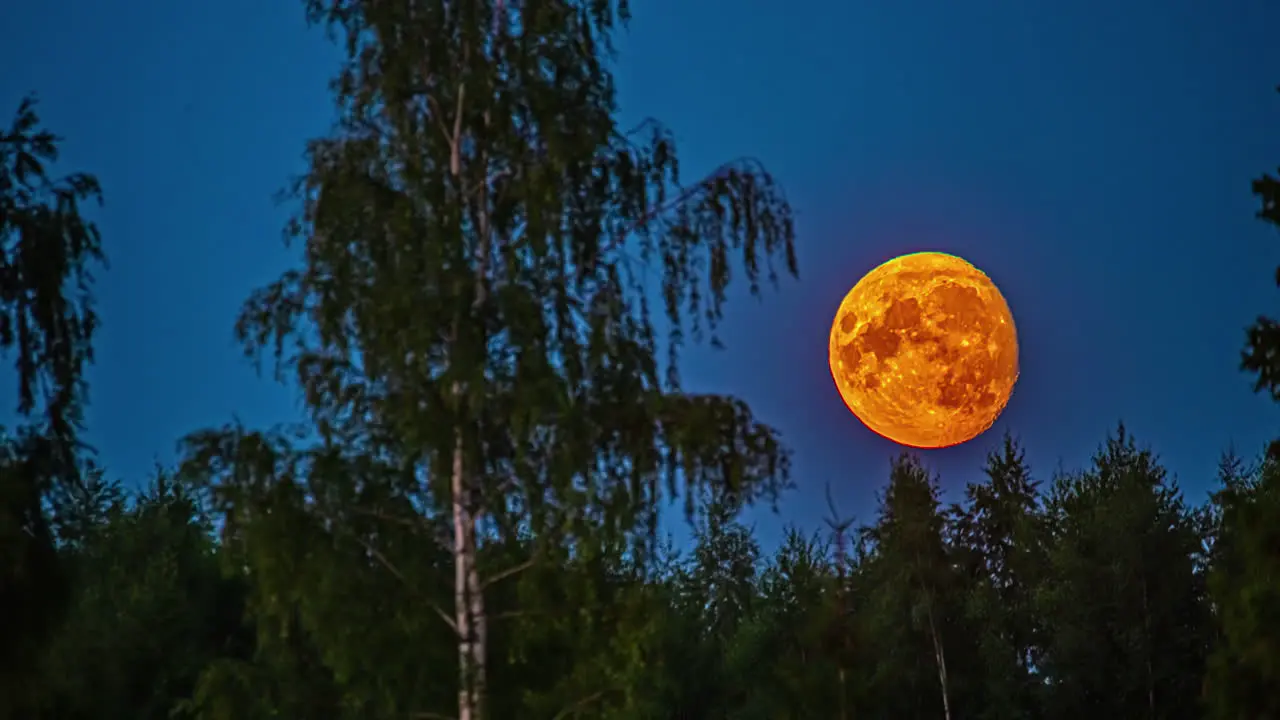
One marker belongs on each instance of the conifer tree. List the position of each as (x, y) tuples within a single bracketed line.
[(1126, 625), (1242, 672), (909, 604), (998, 535)]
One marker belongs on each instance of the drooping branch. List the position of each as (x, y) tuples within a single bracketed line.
[(395, 571), (48, 252)]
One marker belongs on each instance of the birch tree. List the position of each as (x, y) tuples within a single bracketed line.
[(482, 242), (48, 252)]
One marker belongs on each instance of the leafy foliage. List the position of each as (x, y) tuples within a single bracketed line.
[(467, 521), (471, 327), (47, 249)]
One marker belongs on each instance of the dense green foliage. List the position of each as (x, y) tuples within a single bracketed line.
[(1098, 596), (47, 254), (466, 524)]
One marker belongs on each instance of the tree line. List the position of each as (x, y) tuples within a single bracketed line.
[(485, 328)]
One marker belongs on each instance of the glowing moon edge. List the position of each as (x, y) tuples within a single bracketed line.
[(923, 350)]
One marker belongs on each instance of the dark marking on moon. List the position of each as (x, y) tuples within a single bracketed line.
[(883, 337), (966, 312), (850, 355), (952, 347), (959, 312)]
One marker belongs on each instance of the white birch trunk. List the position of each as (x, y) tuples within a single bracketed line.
[(468, 601), (469, 607), (940, 657)]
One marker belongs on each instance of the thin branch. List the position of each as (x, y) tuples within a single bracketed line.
[(833, 521), (643, 124), (498, 577), (831, 505), (382, 559), (581, 703), (415, 523), (685, 196), (455, 150), (498, 10), (377, 555), (505, 172), (439, 117)]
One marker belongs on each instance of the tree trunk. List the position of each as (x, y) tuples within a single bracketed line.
[(1146, 642), (844, 713), (469, 608), (469, 616), (940, 657), (843, 609)]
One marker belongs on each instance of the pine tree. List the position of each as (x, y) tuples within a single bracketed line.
[(148, 609), (998, 534), (1126, 623), (1243, 672), (796, 655), (909, 604)]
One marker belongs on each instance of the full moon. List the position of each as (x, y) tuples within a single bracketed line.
[(924, 351)]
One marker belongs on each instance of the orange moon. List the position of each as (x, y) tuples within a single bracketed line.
[(924, 350)]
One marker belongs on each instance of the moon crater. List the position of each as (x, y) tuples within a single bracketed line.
[(924, 350)]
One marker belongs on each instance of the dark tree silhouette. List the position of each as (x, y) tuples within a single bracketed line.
[(47, 253)]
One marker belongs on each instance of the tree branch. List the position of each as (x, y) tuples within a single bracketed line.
[(584, 701), (439, 117), (382, 559), (686, 194), (415, 523), (498, 577), (455, 142)]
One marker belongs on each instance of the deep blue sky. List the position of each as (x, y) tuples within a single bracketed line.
[(1093, 157)]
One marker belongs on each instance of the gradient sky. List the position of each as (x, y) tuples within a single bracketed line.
[(1092, 157)]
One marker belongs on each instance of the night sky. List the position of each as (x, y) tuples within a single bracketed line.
[(1092, 157)]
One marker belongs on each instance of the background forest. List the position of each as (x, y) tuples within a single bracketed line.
[(485, 331)]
